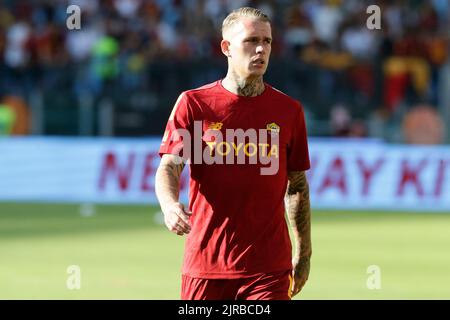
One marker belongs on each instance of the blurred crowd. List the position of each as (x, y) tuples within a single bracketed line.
[(401, 63)]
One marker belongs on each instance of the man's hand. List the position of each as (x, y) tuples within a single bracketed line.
[(176, 218), (300, 274)]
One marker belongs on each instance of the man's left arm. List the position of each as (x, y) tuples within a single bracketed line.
[(299, 213)]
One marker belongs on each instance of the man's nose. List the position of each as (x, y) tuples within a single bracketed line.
[(260, 48)]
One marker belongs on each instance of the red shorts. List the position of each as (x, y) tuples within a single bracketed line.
[(272, 286)]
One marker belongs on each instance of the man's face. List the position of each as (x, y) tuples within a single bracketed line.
[(248, 46)]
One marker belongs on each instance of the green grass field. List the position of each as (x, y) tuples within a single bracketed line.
[(124, 253)]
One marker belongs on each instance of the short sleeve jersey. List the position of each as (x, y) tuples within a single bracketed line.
[(239, 227)]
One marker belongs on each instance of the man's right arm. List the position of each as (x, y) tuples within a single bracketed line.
[(167, 187)]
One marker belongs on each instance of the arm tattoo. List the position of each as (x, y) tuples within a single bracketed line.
[(299, 212), (173, 169)]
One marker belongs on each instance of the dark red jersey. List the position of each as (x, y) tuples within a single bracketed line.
[(238, 223)]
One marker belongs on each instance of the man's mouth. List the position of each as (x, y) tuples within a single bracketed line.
[(258, 61)]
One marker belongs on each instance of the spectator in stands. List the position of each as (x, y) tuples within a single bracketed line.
[(122, 42), (19, 115), (340, 121), (423, 125), (7, 119)]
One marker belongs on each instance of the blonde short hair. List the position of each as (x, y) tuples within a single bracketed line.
[(244, 12)]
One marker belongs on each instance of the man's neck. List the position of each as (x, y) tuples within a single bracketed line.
[(250, 87)]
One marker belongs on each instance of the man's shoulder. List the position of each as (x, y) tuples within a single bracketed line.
[(286, 99), (203, 90)]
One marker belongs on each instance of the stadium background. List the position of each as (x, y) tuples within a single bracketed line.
[(82, 111)]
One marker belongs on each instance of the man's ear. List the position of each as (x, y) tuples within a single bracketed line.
[(225, 46)]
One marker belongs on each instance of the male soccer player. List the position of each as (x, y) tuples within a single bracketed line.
[(238, 244)]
